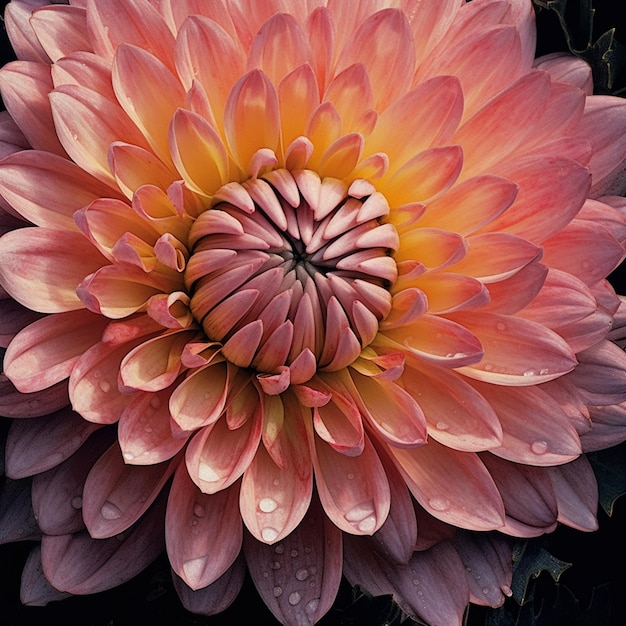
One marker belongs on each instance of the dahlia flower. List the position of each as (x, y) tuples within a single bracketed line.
[(303, 287)]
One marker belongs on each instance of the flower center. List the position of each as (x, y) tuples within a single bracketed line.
[(291, 271)]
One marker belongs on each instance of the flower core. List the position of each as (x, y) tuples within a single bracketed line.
[(292, 271)]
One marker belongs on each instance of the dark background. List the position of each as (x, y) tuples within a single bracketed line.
[(592, 592)]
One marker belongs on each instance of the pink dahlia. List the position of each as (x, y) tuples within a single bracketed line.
[(303, 287)]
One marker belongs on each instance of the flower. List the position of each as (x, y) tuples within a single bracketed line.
[(307, 287)]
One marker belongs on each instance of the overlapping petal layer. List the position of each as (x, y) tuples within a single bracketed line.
[(341, 292)]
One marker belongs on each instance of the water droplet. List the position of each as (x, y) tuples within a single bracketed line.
[(279, 549), (439, 504), (74, 136), (529, 373), (77, 502), (416, 582), (539, 447), (105, 386), (488, 367), (148, 429), (110, 511), (544, 372), (311, 607), (363, 516), (294, 598), (485, 590), (128, 456), (294, 553), (276, 482), (278, 591), (155, 402), (266, 574), (198, 510), (269, 534), (302, 574), (501, 326), (276, 565), (443, 426), (268, 505), (194, 568), (307, 550), (350, 476)]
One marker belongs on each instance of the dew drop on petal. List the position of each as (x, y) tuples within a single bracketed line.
[(268, 505), (110, 511), (539, 447), (198, 510), (276, 565), (294, 553), (350, 476), (302, 574), (294, 598), (439, 504), (311, 607), (278, 591), (442, 426), (105, 386), (276, 482), (193, 568), (155, 402), (501, 326), (77, 502), (269, 534), (279, 549)]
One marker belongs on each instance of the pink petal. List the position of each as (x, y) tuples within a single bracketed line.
[(35, 446), (41, 268), (16, 404), (609, 427), (393, 413), (351, 94), (35, 589), (201, 398), (278, 47), (423, 118), (110, 502), (61, 30), (217, 456), (149, 93), (576, 492), (58, 492), (304, 569), (585, 249), (87, 123), (457, 416), (252, 100), (516, 351), (452, 486), (564, 67), (137, 23), (84, 68), (17, 520), (488, 561), (47, 189), (79, 564), (145, 430), (424, 176), (432, 586), (25, 88), (218, 596), (470, 205), (203, 533), (23, 38), (45, 352), (198, 152), (354, 491), (601, 374), (523, 412), (384, 44), (552, 186), (529, 499)]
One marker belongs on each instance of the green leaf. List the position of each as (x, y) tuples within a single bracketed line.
[(529, 560), (606, 56), (609, 467)]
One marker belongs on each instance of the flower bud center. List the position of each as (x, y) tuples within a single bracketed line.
[(292, 271)]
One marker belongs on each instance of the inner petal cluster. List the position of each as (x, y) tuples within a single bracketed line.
[(292, 271)]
